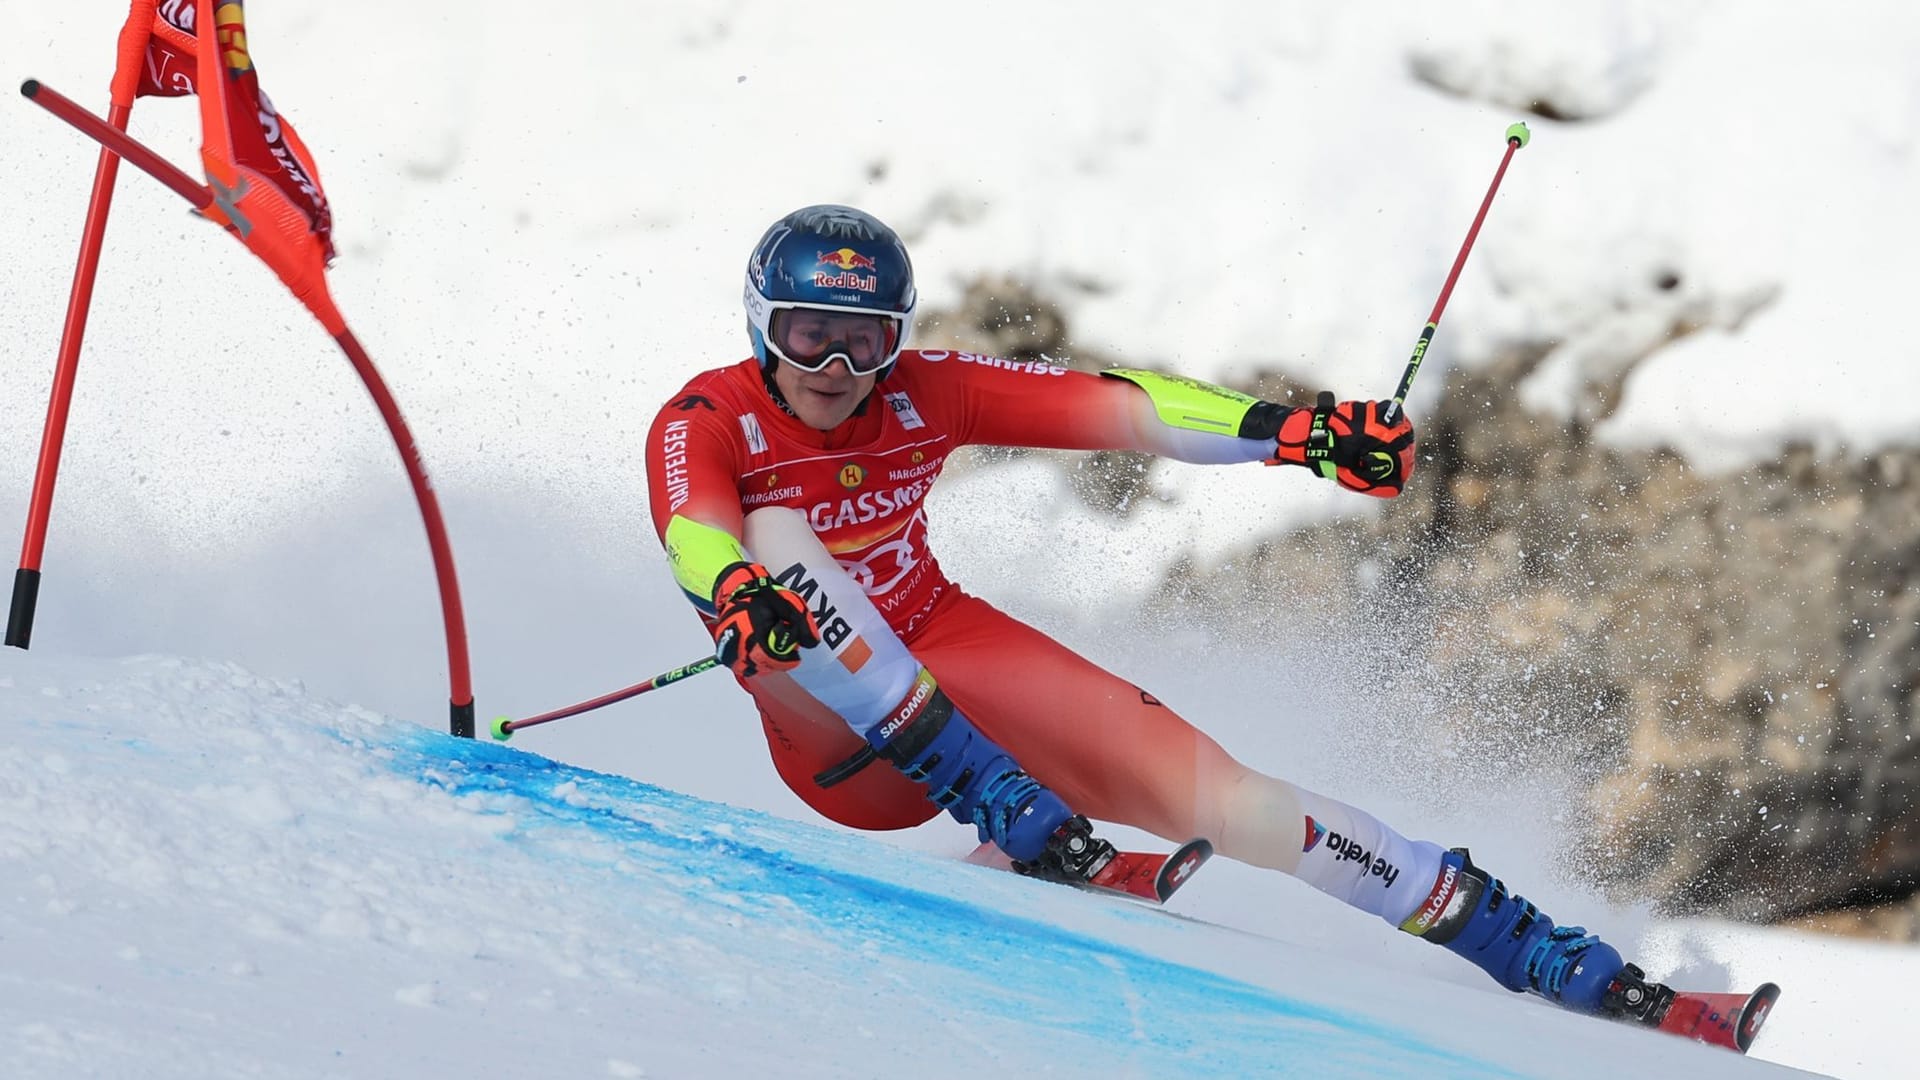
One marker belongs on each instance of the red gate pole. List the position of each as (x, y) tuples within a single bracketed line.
[(459, 671), (459, 674), (26, 580)]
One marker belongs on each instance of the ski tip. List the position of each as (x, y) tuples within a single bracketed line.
[(1759, 1005), (1180, 866)]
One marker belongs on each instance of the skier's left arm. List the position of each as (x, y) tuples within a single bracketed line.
[(693, 460), (1186, 419)]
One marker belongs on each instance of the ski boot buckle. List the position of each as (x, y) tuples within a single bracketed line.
[(1073, 854), (1632, 997)]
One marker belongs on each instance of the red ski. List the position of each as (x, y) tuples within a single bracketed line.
[(1151, 876), (1728, 1020)]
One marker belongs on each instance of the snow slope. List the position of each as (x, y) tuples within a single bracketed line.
[(210, 874)]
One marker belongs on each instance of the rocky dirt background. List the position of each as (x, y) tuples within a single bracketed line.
[(1723, 667)]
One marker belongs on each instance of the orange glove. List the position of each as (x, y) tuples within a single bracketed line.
[(759, 623), (1349, 443)]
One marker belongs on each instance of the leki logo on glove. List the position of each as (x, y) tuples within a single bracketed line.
[(1380, 464), (781, 642)]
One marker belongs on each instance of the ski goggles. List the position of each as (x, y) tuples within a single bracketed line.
[(810, 338)]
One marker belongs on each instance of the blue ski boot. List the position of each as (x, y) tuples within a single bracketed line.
[(1472, 914), (968, 774)]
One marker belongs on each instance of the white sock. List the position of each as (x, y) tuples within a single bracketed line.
[(1348, 853)]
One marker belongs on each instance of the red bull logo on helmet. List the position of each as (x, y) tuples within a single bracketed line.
[(848, 262)]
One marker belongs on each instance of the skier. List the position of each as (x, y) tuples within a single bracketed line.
[(789, 490)]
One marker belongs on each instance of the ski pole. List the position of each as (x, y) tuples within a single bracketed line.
[(504, 728), (1517, 137)]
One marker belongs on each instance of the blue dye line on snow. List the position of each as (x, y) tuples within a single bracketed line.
[(1175, 1019)]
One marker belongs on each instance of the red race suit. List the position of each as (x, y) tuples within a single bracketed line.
[(722, 447)]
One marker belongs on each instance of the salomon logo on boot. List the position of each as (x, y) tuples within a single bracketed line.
[(968, 774), (1472, 914)]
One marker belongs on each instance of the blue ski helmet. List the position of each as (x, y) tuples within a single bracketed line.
[(829, 259)]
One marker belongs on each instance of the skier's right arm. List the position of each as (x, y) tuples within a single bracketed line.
[(757, 623), (1348, 442), (1185, 419)]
